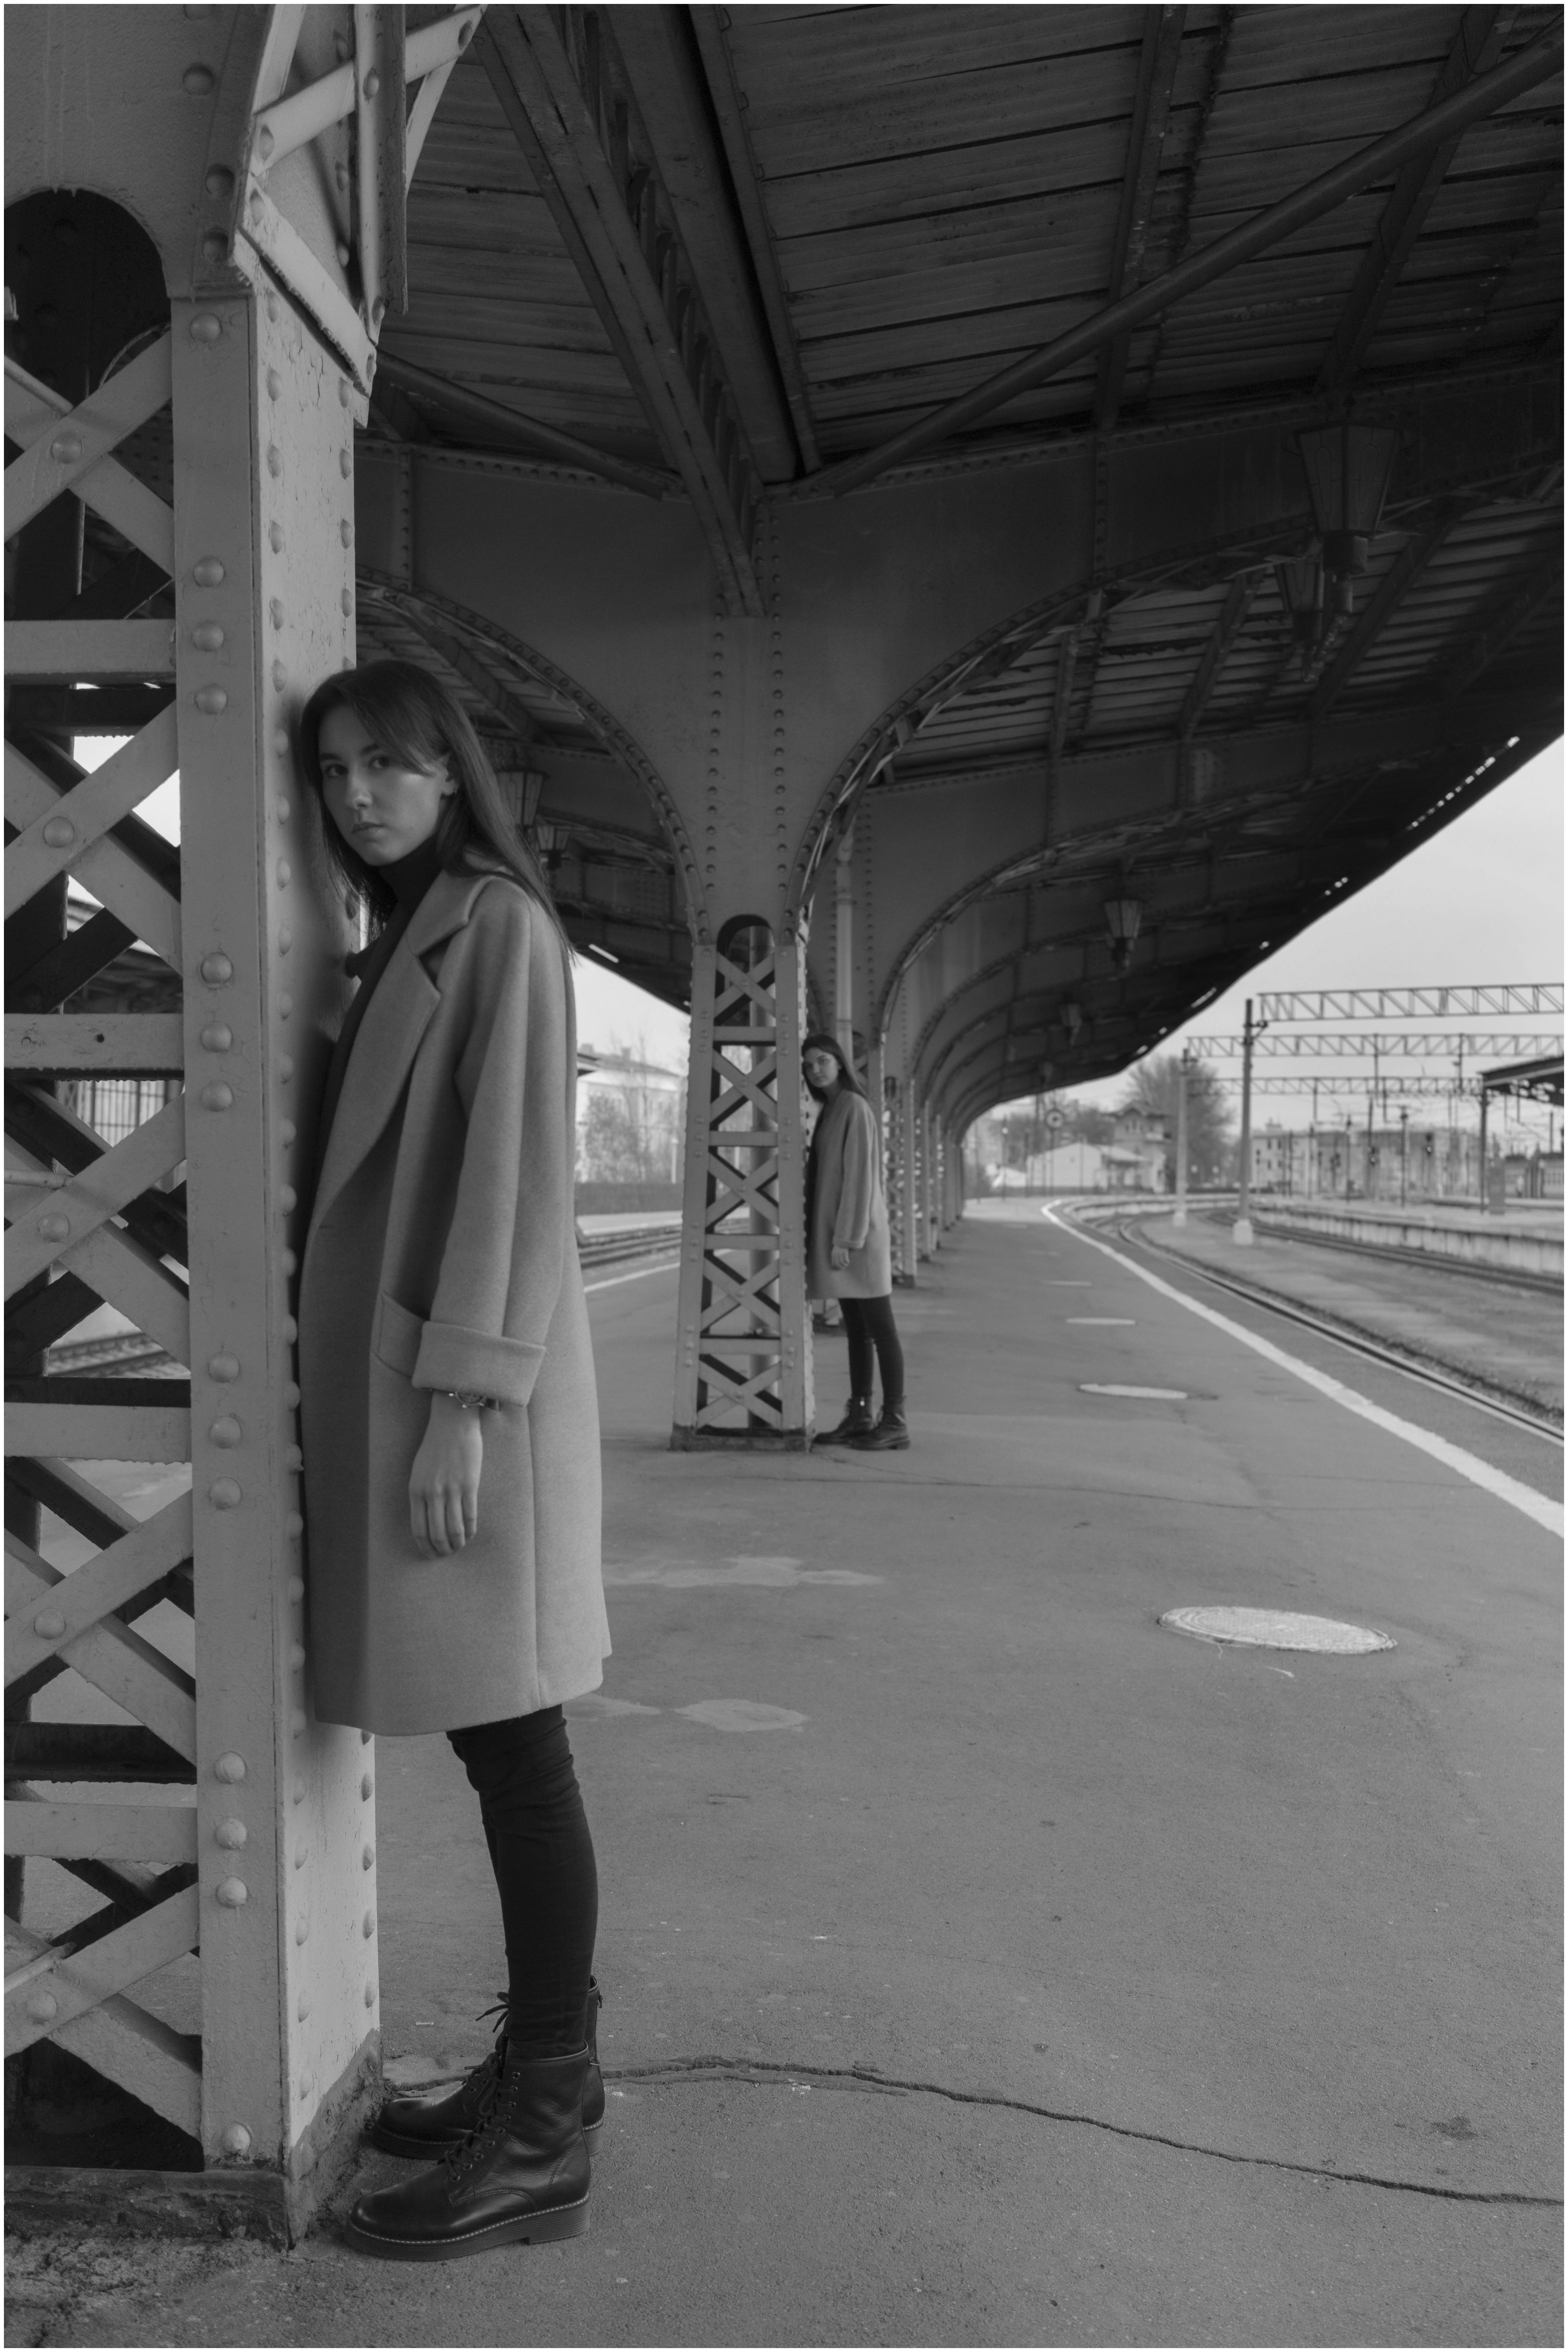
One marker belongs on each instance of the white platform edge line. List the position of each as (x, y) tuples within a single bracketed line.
[(1538, 1507), (640, 1274)]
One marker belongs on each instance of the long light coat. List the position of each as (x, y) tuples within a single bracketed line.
[(442, 1255), (848, 1210)]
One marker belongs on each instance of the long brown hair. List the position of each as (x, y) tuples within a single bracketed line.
[(413, 717)]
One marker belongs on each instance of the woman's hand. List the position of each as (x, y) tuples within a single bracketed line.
[(838, 1259), (443, 1485)]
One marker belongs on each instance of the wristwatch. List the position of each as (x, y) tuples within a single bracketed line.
[(471, 1399)]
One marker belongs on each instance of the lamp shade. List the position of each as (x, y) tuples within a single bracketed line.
[(1122, 917), (1300, 583), (1347, 470)]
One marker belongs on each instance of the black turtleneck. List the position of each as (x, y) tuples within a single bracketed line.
[(410, 877)]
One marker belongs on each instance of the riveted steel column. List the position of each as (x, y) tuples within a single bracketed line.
[(264, 570)]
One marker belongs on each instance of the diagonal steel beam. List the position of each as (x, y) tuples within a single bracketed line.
[(1384, 601), (1227, 628), (1475, 48), (1496, 622), (1540, 58), (1151, 118), (569, 108), (527, 433)]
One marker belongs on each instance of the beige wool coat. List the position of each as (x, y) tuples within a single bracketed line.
[(845, 1206), (442, 1255)]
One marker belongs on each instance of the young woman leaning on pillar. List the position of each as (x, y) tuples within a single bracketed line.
[(449, 1418), (848, 1253)]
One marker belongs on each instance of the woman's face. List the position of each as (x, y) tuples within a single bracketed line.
[(821, 1070), (384, 810)]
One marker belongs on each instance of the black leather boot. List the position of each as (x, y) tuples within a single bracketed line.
[(520, 2177), (856, 1421), (890, 1435), (424, 2127)]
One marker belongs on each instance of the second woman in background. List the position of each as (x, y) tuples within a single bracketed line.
[(848, 1253)]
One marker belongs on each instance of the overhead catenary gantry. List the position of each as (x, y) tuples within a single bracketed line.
[(1098, 469)]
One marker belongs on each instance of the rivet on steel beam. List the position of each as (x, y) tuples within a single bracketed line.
[(207, 637), (219, 180), (223, 1367), (274, 459), (216, 968), (341, 174), (65, 448), (296, 1588), (205, 327), (377, 310), (216, 1038), (231, 1834), (217, 1097), (346, 601), (279, 677), (274, 383), (301, 1853), (287, 1130), (370, 1992), (367, 1788), (290, 1329), (223, 1494), (345, 463), (302, 2007), (285, 1066), (49, 1624), (285, 808), (285, 939), (198, 79), (288, 1262), (293, 1526), (296, 1658), (297, 1724), (372, 83), (346, 533), (214, 246), (343, 254), (41, 2007), (299, 1790), (293, 1459), (367, 1925), (236, 2140), (60, 833), (232, 1893), (265, 142), (229, 1766), (285, 874), (227, 1432), (55, 1228), (212, 699), (367, 1858), (287, 1197), (207, 573), (271, 301), (285, 1005), (292, 1394), (343, 392), (303, 1929), (275, 611)]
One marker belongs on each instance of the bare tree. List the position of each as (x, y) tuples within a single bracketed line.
[(1152, 1087)]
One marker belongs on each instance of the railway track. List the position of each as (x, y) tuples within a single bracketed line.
[(1485, 1396)]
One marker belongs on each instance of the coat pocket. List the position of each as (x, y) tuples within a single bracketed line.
[(397, 1336)]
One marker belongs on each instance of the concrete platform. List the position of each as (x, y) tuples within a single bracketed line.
[(986, 1963)]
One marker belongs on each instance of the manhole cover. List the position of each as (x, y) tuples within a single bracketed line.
[(1277, 1629), (1116, 1388)]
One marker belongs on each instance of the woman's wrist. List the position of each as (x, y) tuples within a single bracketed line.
[(465, 1399)]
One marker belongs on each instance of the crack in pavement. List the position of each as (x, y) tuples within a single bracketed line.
[(768, 2070)]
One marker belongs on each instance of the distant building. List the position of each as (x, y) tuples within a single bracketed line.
[(1389, 1164), (631, 1118)]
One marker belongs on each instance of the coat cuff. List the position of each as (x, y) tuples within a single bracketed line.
[(451, 1356)]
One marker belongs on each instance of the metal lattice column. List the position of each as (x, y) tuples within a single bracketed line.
[(743, 1374)]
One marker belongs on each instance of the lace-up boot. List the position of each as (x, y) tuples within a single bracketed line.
[(520, 2177), (856, 1421), (423, 2128), (890, 1435)]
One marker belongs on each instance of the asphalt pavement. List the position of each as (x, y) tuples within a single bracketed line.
[(987, 1963)]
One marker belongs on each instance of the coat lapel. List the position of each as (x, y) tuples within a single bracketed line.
[(396, 1021)]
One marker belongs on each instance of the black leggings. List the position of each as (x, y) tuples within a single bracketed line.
[(543, 1855), (870, 1325)]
